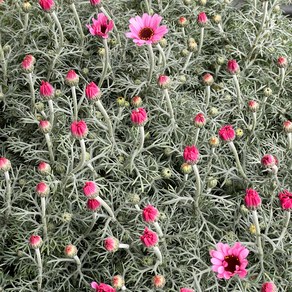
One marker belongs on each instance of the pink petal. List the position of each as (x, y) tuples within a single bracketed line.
[(216, 261)]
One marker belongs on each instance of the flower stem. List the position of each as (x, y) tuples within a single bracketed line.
[(162, 54), (198, 185), (124, 246), (282, 74), (158, 254), (187, 62), (8, 193), (258, 238), (75, 113), (105, 63), (158, 228), (50, 147), (289, 135), (254, 121), (140, 147), (73, 7), (285, 227), (148, 8), (108, 120), (83, 157), (78, 263), (151, 58), (196, 135), (26, 17), (4, 65), (237, 87), (106, 206), (32, 91), (40, 268), (57, 22), (266, 3), (169, 105), (238, 164), (52, 116), (201, 40), (208, 93), (44, 221)]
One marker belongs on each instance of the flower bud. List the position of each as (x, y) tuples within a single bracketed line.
[(282, 62), (70, 250), (79, 129), (95, 3), (45, 126), (166, 173), (239, 133), (101, 52), (212, 182), (163, 42), (39, 106), (44, 168), (268, 161), (67, 217), (93, 205), (111, 244), (184, 53), (253, 106), (252, 199), (163, 81), (92, 91), (136, 101), (243, 210), (233, 67), (133, 199), (150, 214), (35, 241), (269, 287), (207, 79), (202, 19), (47, 91), (186, 168), (220, 60), (118, 282), (90, 189), (200, 120), (158, 281), (287, 126), (120, 101), (213, 111), (252, 229), (186, 290), (42, 189), (217, 18), (214, 141), (5, 164), (72, 79), (191, 154), (227, 133), (192, 45), (139, 117), (182, 21), (27, 64), (47, 5), (268, 92), (26, 6)]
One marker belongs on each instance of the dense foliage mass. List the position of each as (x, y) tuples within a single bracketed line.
[(146, 147)]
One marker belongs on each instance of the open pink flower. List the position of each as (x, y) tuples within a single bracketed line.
[(227, 133), (229, 261), (252, 199), (101, 26), (269, 287), (79, 129), (191, 154), (150, 214), (146, 29), (102, 287), (149, 237), (286, 200)]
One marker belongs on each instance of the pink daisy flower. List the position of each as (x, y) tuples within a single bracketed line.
[(101, 26), (146, 29), (229, 261)]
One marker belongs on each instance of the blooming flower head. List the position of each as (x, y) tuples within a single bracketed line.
[(150, 214), (200, 120), (72, 79), (286, 200), (79, 129), (93, 204), (118, 281), (95, 2), (44, 168), (287, 126), (202, 19), (139, 117), (35, 241), (229, 261), (27, 63), (102, 287), (47, 5), (111, 244), (146, 29), (101, 26), (149, 237), (47, 91), (191, 154), (42, 189), (282, 62), (269, 287), (70, 250), (90, 189), (233, 67), (227, 133), (186, 290), (158, 281), (268, 161), (5, 164), (252, 199), (92, 91)]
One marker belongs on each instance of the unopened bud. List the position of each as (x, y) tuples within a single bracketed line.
[(186, 168)]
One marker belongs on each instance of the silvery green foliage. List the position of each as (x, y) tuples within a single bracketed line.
[(189, 233)]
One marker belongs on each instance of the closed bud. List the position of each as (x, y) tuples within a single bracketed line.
[(217, 18), (147, 261), (70, 250), (66, 217), (192, 45), (253, 106), (243, 210), (45, 126), (268, 92), (72, 79), (118, 282), (252, 229), (163, 42), (200, 120), (44, 168), (202, 19), (239, 133), (26, 6), (158, 281), (166, 173), (39, 106), (136, 101), (208, 79), (163, 81), (5, 164), (42, 189), (182, 21), (186, 168), (214, 141), (133, 199), (35, 241), (282, 62), (213, 111), (212, 182), (120, 101), (220, 60), (101, 52), (287, 126)]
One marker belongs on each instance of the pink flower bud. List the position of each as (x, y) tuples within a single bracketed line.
[(92, 91), (158, 281), (45, 126), (72, 79), (27, 63), (269, 287), (268, 161), (102, 287), (93, 205), (208, 79), (95, 2), (111, 244), (47, 91), (44, 168), (150, 214), (182, 21), (233, 67), (253, 106), (5, 164), (227, 133), (191, 154), (287, 126), (118, 282), (186, 290), (252, 199), (136, 101), (282, 62), (200, 120), (286, 200), (90, 189), (163, 81), (42, 189), (149, 237), (47, 5), (202, 19), (70, 250), (35, 241), (139, 117), (79, 129)]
